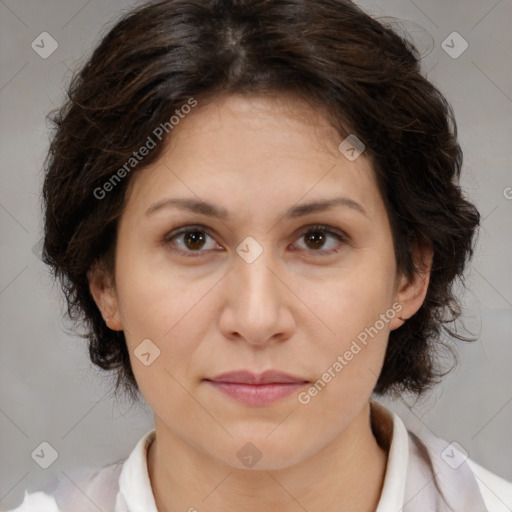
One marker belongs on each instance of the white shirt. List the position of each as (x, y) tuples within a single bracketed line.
[(408, 483)]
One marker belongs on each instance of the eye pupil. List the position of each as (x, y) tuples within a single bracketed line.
[(196, 238), (317, 237)]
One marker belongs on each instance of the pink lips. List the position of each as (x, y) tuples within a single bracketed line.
[(257, 389)]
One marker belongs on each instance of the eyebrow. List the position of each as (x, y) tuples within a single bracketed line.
[(205, 208)]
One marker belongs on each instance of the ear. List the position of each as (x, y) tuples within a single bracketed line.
[(411, 291), (104, 294)]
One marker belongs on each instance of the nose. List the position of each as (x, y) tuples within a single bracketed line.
[(258, 306)]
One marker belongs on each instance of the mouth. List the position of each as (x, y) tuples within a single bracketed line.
[(257, 389)]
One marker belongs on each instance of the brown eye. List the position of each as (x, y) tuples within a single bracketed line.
[(317, 237), (191, 240), (194, 240)]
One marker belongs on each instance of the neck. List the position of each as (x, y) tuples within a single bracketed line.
[(347, 475)]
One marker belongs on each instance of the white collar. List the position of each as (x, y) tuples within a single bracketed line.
[(393, 490), (135, 493)]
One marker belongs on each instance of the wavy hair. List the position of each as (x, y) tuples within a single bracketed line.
[(364, 76)]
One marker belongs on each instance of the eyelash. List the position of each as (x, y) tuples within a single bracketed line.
[(316, 228)]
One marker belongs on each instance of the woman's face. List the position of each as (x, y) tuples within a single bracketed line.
[(247, 283)]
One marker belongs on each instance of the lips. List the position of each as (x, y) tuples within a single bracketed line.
[(268, 377), (257, 389)]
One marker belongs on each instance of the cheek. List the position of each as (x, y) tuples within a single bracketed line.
[(160, 305), (351, 327), (351, 300), (152, 295)]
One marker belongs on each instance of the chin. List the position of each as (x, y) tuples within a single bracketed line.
[(260, 451)]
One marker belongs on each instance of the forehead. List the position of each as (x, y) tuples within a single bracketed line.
[(269, 125), (263, 150)]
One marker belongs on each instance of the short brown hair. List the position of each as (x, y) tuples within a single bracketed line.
[(363, 74)]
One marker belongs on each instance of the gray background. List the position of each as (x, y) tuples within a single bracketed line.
[(49, 392)]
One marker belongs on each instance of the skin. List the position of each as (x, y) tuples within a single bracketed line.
[(293, 309)]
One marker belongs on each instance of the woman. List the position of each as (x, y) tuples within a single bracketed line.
[(254, 207)]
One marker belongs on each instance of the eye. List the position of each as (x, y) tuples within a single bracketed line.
[(316, 237), (194, 239)]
